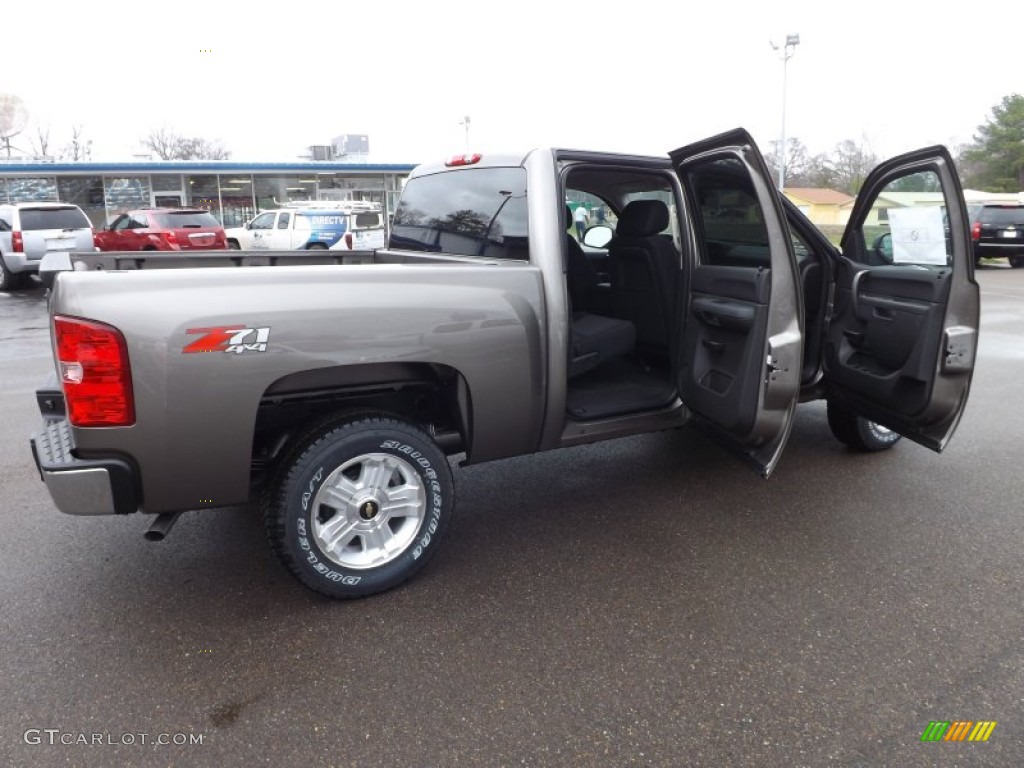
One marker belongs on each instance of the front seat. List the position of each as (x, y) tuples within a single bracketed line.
[(644, 267)]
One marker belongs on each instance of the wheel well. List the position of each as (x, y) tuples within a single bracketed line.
[(434, 396)]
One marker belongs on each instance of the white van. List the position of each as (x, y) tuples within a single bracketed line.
[(340, 226)]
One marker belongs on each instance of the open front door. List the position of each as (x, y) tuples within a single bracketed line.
[(901, 345), (742, 336)]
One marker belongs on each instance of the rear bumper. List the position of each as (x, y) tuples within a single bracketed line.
[(995, 249), (20, 263), (103, 486)]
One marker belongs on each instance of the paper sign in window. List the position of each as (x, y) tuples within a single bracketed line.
[(918, 235)]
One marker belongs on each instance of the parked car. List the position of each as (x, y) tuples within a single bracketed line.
[(29, 230), (997, 230), (163, 229), (317, 225)]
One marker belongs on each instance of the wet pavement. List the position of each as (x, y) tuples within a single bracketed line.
[(646, 601)]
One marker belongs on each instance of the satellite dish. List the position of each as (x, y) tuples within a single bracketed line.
[(13, 117)]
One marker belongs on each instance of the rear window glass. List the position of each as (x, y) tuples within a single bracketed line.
[(364, 220), (185, 220), (472, 212), (53, 218), (1002, 217)]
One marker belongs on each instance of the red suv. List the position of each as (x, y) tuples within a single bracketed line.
[(163, 229)]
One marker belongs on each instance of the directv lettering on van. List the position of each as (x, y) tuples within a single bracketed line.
[(327, 222)]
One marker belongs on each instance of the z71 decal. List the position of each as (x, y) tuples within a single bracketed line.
[(229, 338)]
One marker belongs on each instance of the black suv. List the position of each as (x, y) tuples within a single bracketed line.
[(997, 230)]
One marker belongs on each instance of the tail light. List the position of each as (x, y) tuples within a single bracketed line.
[(94, 372), (976, 231), (456, 160), (348, 240), (17, 242), (172, 240)]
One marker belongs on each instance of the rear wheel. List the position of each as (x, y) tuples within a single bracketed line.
[(8, 280), (1017, 262), (360, 506), (233, 245), (316, 247), (857, 432)]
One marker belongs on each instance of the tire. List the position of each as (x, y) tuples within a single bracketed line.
[(233, 245), (360, 506), (316, 247), (859, 433), (8, 280), (1017, 262)]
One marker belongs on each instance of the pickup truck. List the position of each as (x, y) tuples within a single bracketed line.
[(335, 393)]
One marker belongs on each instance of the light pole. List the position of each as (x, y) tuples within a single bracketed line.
[(788, 49)]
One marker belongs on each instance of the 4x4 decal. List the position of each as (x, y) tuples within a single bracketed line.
[(229, 338)]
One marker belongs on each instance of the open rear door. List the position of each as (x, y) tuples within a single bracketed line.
[(742, 338), (901, 345)]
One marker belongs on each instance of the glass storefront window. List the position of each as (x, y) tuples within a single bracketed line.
[(273, 191), (202, 192), (87, 193), (170, 182), (32, 190), (125, 193), (236, 199)]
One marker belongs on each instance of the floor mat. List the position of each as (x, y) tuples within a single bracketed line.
[(616, 387)]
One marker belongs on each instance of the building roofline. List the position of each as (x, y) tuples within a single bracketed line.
[(207, 166)]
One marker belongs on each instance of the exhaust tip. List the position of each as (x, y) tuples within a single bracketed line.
[(161, 526)]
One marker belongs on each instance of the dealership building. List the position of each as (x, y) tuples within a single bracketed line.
[(234, 192)]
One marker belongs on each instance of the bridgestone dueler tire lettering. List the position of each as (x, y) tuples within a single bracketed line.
[(857, 432), (289, 514)]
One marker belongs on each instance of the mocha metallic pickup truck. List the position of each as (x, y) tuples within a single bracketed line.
[(331, 389)]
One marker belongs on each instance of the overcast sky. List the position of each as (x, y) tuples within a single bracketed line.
[(641, 76)]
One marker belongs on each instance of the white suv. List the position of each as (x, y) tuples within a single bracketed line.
[(29, 230)]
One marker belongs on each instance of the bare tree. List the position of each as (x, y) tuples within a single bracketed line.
[(41, 143), (168, 145), (852, 162), (80, 148)]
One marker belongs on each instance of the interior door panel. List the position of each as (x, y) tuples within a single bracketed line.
[(722, 348), (888, 330)]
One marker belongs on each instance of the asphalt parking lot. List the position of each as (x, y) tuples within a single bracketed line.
[(648, 601)]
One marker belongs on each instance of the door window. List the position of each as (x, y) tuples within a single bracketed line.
[(282, 222), (730, 216), (263, 221), (906, 224)]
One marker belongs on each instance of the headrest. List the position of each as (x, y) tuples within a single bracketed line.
[(642, 218)]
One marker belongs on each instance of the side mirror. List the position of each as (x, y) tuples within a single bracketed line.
[(883, 247), (598, 236), (248, 225)]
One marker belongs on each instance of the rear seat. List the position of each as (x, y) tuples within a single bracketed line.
[(594, 338)]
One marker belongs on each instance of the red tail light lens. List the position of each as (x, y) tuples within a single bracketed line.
[(348, 240), (94, 372), (171, 239), (976, 231), (457, 160), (17, 243)]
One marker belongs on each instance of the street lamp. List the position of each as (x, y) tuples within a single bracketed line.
[(788, 49)]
